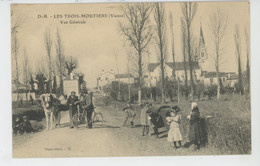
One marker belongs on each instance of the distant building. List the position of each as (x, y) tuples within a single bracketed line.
[(227, 78), (179, 68), (22, 93), (124, 78), (232, 79), (105, 78)]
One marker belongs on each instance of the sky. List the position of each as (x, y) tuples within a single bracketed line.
[(96, 42)]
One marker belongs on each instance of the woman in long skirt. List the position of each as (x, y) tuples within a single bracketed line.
[(194, 130)]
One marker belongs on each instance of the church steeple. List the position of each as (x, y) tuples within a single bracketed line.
[(202, 47)]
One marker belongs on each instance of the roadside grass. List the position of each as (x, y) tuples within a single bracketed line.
[(32, 112), (229, 129)]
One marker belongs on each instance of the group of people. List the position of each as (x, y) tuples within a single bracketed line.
[(85, 100), (22, 125), (197, 125)]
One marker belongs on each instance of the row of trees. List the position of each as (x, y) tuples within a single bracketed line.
[(60, 64), (57, 62), (155, 93), (140, 33)]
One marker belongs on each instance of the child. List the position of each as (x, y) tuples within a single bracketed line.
[(18, 126), (27, 126), (174, 134), (145, 120), (130, 113)]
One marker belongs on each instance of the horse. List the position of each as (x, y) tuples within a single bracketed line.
[(47, 102), (158, 117), (57, 112)]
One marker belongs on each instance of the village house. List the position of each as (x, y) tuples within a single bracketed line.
[(232, 79), (227, 78), (154, 70), (105, 78), (125, 78), (23, 92)]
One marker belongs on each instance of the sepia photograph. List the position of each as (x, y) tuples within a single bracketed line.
[(130, 79)]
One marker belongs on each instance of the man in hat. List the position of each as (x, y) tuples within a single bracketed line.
[(72, 105), (89, 108)]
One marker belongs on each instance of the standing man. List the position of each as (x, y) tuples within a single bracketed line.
[(89, 108), (72, 104)]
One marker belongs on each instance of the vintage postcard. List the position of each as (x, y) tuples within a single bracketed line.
[(130, 79)]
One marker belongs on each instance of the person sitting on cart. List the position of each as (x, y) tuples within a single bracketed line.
[(72, 102)]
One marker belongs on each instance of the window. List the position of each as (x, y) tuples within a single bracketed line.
[(202, 54)]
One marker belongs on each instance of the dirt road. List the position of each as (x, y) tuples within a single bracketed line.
[(110, 140)]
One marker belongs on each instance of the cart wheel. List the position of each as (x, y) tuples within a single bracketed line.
[(97, 120)]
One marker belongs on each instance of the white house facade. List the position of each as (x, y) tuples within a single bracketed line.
[(105, 78), (227, 79), (179, 68)]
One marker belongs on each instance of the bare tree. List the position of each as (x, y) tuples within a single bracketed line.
[(189, 10), (128, 72), (16, 24), (60, 59), (184, 51), (247, 59), (71, 64), (26, 72), (138, 32), (175, 78), (159, 16), (41, 77), (117, 68), (48, 47), (133, 59), (238, 53), (217, 26), (15, 51), (172, 42)]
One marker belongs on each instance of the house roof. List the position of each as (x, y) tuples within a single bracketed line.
[(106, 72), (152, 66), (124, 75), (176, 65), (180, 65), (214, 74), (233, 77)]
